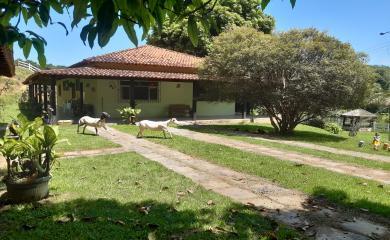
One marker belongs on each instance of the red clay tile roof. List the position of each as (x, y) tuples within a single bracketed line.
[(100, 73), (146, 55), (145, 62), (7, 66)]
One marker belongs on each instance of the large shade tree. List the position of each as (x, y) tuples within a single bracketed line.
[(295, 75), (102, 19), (224, 14)]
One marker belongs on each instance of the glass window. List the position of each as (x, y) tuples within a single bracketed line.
[(145, 91), (125, 92), (141, 93), (153, 93)]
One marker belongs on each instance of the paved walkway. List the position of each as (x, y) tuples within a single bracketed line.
[(366, 173), (370, 156), (93, 152), (288, 206)]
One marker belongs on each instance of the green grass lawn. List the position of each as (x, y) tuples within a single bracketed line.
[(126, 196), (313, 135), (80, 141), (226, 131), (337, 188)]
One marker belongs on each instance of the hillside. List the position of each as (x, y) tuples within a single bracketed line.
[(9, 99)]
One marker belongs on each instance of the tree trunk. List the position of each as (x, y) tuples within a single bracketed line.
[(274, 124)]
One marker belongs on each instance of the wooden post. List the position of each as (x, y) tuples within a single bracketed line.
[(35, 92), (53, 103), (81, 98), (30, 92), (45, 97), (195, 96), (39, 93)]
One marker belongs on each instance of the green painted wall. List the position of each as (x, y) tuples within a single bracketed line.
[(210, 109), (104, 95)]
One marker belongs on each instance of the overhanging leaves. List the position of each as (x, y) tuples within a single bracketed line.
[(107, 16), (193, 31), (105, 22)]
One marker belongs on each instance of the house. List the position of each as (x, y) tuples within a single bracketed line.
[(7, 66), (148, 77)]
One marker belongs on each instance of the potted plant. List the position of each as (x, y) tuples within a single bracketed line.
[(29, 159), (129, 114)]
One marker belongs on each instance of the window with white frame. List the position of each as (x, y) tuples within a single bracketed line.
[(144, 91)]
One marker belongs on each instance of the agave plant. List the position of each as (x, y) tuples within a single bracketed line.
[(31, 155), (129, 114)]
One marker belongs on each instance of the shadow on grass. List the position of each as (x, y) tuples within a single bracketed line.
[(265, 132), (342, 199), (109, 219), (156, 137), (88, 134)]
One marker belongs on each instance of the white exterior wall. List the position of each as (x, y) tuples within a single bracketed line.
[(104, 95)]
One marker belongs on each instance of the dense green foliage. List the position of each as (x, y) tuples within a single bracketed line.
[(129, 114), (225, 14), (103, 17), (295, 75), (383, 77), (32, 154), (333, 128), (378, 99)]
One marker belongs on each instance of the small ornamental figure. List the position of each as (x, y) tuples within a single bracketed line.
[(376, 141)]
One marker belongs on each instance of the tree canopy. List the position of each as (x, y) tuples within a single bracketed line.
[(294, 76), (103, 17), (225, 14), (378, 98)]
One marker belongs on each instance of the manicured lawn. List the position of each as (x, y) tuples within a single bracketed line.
[(337, 188), (126, 196), (80, 141), (226, 131), (313, 135)]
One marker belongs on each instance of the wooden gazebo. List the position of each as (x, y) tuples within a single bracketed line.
[(358, 119)]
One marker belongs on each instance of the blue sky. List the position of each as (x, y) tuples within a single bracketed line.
[(358, 22)]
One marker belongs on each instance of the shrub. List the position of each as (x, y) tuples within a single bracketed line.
[(129, 114), (29, 107), (315, 122), (332, 128)]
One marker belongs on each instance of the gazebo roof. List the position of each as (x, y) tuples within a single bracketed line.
[(359, 113)]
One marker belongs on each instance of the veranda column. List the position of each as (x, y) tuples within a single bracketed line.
[(132, 97), (81, 98), (53, 103), (30, 91), (244, 110), (35, 92), (195, 96), (45, 97), (39, 93)]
